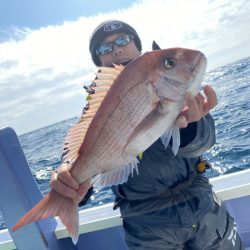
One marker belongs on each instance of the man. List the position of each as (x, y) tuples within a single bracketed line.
[(183, 213)]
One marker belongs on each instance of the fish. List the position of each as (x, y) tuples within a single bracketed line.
[(128, 109)]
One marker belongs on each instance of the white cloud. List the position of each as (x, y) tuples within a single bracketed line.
[(42, 71)]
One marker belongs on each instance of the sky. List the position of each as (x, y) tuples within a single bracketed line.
[(44, 57)]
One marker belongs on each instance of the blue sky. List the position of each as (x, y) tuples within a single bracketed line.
[(34, 14), (44, 47)]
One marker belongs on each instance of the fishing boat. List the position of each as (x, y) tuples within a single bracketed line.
[(99, 227)]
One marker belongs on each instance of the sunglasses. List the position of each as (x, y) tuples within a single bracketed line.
[(120, 41)]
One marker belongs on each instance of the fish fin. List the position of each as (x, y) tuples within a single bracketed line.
[(54, 204), (97, 91), (176, 139), (155, 46), (174, 133), (115, 176), (166, 137)]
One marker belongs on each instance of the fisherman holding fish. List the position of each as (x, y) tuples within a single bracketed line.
[(166, 202), (192, 217)]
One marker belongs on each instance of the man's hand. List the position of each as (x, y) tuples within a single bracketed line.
[(64, 183), (197, 106)]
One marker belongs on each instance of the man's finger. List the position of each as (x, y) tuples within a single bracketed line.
[(182, 121), (200, 101), (190, 101), (60, 187), (193, 109), (211, 98), (67, 179)]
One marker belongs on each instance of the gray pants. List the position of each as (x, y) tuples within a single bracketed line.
[(216, 230)]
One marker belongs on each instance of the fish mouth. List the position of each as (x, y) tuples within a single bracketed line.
[(198, 72), (200, 64)]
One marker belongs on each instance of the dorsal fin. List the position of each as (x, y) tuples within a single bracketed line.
[(97, 91)]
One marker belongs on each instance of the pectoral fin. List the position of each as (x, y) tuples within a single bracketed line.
[(116, 176), (174, 133)]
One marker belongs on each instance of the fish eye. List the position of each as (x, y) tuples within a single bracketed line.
[(169, 63)]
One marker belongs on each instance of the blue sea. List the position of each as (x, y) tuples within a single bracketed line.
[(43, 147)]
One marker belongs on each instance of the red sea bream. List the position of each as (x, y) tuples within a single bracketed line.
[(129, 109)]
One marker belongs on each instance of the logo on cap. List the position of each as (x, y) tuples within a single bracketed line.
[(112, 26)]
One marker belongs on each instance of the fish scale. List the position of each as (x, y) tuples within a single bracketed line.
[(109, 148)]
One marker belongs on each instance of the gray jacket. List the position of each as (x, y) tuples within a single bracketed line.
[(159, 170)]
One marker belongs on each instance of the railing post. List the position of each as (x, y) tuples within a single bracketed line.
[(18, 193)]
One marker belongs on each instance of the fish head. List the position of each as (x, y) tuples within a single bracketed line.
[(174, 71)]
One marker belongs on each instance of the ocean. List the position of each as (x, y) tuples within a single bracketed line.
[(43, 147)]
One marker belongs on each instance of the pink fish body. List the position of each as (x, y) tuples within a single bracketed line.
[(129, 109)]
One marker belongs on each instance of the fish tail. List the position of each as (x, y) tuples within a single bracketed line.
[(54, 204)]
